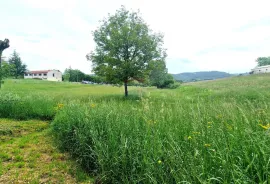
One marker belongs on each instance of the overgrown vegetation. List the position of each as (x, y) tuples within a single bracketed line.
[(204, 132)]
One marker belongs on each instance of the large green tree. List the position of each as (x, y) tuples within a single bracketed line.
[(124, 47), (262, 61), (19, 68)]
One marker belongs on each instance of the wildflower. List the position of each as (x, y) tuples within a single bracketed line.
[(93, 105), (219, 116), (208, 126), (189, 137), (209, 123), (266, 127), (151, 122), (229, 127), (207, 145), (59, 106), (159, 162)]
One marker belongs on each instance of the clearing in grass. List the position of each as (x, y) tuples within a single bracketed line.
[(27, 155)]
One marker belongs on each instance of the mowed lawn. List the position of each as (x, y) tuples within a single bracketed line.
[(28, 155), (203, 132)]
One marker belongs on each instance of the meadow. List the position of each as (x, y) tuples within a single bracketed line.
[(204, 132)]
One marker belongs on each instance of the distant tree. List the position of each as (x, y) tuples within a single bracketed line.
[(158, 72), (159, 75), (66, 77), (6, 69), (124, 47), (19, 68), (262, 61), (169, 82), (73, 75), (98, 79)]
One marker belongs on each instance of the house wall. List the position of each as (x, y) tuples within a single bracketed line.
[(54, 75), (262, 69), (36, 76)]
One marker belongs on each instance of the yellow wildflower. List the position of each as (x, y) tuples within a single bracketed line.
[(209, 123), (207, 145), (189, 137), (59, 106), (219, 116), (159, 162), (208, 126), (229, 127), (266, 127), (151, 122), (93, 105)]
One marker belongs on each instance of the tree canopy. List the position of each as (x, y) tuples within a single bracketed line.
[(6, 69), (124, 47), (19, 68), (262, 61), (73, 75)]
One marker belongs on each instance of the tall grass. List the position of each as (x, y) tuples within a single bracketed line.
[(206, 132), (26, 107), (157, 142)]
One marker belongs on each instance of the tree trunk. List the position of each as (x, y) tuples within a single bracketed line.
[(0, 69), (126, 89)]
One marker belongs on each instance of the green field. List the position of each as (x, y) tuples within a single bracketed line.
[(204, 132)]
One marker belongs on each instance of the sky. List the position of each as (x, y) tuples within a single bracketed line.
[(199, 35)]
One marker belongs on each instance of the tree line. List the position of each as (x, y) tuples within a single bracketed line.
[(158, 77), (75, 75)]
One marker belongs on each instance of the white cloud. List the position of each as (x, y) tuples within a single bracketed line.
[(212, 35)]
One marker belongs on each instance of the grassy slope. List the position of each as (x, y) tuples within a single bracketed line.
[(27, 155), (230, 146)]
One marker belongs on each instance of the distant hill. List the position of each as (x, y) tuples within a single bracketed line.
[(198, 76)]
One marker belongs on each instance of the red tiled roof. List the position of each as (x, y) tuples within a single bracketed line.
[(38, 71)]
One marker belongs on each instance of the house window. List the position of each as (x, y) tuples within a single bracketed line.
[(40, 74), (53, 74), (35, 74), (45, 74)]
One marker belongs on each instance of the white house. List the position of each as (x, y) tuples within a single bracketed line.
[(50, 75), (261, 69)]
